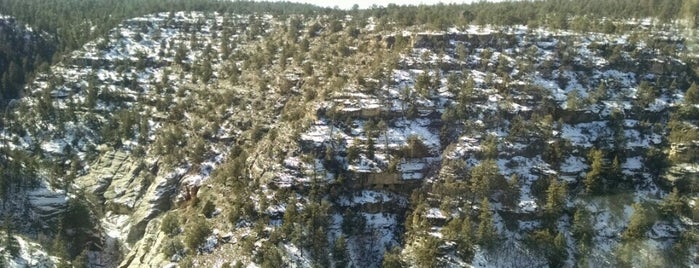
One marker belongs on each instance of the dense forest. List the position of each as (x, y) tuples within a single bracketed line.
[(72, 23)]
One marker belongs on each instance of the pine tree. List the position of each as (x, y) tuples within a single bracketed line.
[(271, 258), (11, 244), (646, 94), (486, 234), (196, 233), (555, 197), (391, 259), (593, 177), (340, 252), (59, 245), (452, 230), (197, 150), (559, 253), (638, 224), (16, 76), (482, 177), (143, 130), (290, 217), (616, 171), (426, 252), (574, 100), (581, 223), (692, 94), (370, 149), (170, 224), (672, 205), (513, 191), (353, 223), (466, 93), (353, 152), (209, 208), (81, 261), (464, 242)]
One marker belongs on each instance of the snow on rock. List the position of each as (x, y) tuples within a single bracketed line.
[(54, 147), (663, 230), (31, 255), (115, 225), (573, 165), (435, 213), (403, 129), (211, 242), (296, 257), (585, 134), (47, 202), (632, 165), (369, 197)]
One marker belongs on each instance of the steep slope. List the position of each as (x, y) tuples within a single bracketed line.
[(135, 124), (22, 50), (204, 139)]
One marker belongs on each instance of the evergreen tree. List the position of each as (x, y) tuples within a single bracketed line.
[(290, 217), (692, 94), (196, 232), (452, 230), (646, 94), (370, 149), (426, 252), (574, 100), (593, 177), (209, 208), (555, 197), (672, 205), (482, 177), (391, 259), (615, 171), (271, 258), (340, 252), (513, 191), (170, 224), (486, 233), (559, 250), (638, 224), (600, 93), (81, 261), (581, 223), (11, 244), (464, 242), (353, 152), (59, 245), (353, 223)]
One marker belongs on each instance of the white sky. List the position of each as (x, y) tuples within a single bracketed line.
[(367, 3)]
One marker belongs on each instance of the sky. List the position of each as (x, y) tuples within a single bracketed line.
[(367, 3)]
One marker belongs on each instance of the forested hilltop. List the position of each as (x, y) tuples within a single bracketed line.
[(72, 23), (208, 133)]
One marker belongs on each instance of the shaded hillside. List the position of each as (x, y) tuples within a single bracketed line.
[(22, 50)]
